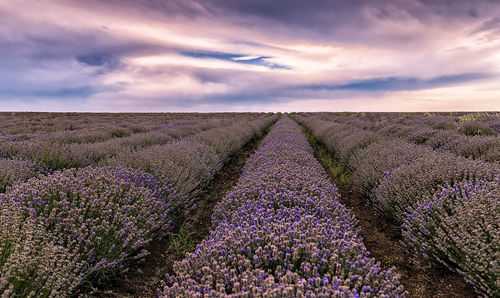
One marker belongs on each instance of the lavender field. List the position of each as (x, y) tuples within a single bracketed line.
[(250, 205)]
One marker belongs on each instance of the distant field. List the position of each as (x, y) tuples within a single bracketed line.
[(250, 204)]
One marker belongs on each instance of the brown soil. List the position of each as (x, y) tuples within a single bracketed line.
[(144, 279), (382, 237)]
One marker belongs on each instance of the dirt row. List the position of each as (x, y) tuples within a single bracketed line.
[(382, 237)]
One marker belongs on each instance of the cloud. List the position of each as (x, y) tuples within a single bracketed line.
[(94, 59), (62, 93), (194, 55), (237, 58), (491, 24), (397, 83)]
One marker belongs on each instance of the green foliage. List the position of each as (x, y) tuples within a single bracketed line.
[(120, 133), (56, 162), (181, 242), (476, 129), (264, 132), (388, 261), (335, 167), (475, 116)]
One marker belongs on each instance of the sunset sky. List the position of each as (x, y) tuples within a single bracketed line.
[(249, 55)]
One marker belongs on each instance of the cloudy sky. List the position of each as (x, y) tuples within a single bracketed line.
[(249, 55)]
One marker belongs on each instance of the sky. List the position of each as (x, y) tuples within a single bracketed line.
[(249, 55)]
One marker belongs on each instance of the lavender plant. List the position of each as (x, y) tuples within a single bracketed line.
[(475, 147), (441, 138), (13, 171), (31, 265), (495, 125), (408, 184), (281, 232), (369, 164), (394, 130), (443, 124), (340, 139), (100, 218), (475, 128), (420, 135), (459, 226)]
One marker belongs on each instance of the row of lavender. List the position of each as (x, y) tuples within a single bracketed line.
[(25, 156), (448, 205), (60, 232), (21, 123), (192, 161), (464, 123), (472, 139), (281, 232), (89, 146)]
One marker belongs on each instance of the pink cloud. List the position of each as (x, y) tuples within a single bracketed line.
[(131, 55)]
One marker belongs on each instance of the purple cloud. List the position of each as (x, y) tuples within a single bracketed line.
[(231, 54)]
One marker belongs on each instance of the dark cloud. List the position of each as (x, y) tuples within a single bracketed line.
[(154, 8), (343, 20), (488, 31), (286, 92), (472, 13), (214, 55), (78, 92), (296, 11), (94, 59), (49, 41), (59, 93), (399, 83), (320, 20), (492, 25)]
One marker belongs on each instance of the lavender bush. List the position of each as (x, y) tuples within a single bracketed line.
[(97, 218), (340, 139), (32, 265), (88, 136), (495, 125), (476, 140), (13, 171), (369, 164), (83, 224), (476, 128), (187, 162), (281, 232), (444, 125), (408, 184), (123, 124), (441, 138), (420, 135), (459, 226), (394, 130), (475, 147)]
